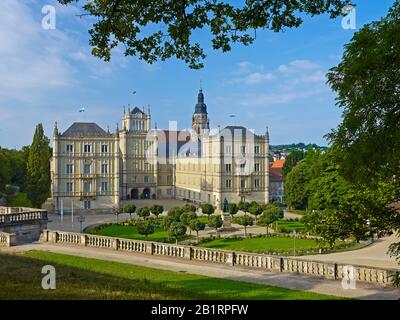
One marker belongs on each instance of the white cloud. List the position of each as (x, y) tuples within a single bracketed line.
[(298, 66), (253, 78), (30, 55)]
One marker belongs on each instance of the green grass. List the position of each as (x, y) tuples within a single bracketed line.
[(260, 245), (292, 225), (83, 278), (298, 211), (130, 232)]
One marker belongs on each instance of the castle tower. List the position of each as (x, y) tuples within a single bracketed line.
[(200, 122)]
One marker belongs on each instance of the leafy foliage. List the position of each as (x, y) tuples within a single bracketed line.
[(38, 168), (367, 84), (156, 209), (177, 230), (197, 226), (159, 30), (145, 228), (144, 212)]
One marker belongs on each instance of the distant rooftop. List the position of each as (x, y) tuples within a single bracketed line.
[(85, 129)]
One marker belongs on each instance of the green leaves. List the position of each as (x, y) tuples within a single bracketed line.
[(367, 84), (38, 168), (159, 30)]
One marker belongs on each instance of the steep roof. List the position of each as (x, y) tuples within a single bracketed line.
[(85, 129), (136, 110), (278, 164)]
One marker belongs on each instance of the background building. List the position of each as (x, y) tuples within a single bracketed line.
[(93, 169)]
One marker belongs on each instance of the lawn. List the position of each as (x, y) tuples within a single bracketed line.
[(83, 278), (260, 245), (292, 225), (130, 232)]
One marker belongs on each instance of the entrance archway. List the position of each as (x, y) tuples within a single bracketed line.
[(134, 194), (146, 193)]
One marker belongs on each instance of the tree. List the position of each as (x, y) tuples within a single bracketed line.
[(116, 211), (159, 30), (144, 212), (245, 221), (130, 208), (232, 209), (327, 224), (189, 208), (244, 206), (38, 168), (197, 226), (177, 230), (255, 209), (145, 228), (291, 160), (215, 222), (268, 217), (156, 209), (207, 209), (175, 213), (187, 217), (367, 84), (296, 187)]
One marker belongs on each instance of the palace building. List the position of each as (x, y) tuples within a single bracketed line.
[(98, 170)]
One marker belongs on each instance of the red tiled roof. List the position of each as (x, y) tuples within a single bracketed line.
[(278, 164)]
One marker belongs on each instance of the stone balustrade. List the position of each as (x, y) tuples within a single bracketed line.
[(9, 216), (7, 239), (328, 270)]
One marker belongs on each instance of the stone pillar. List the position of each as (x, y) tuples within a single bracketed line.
[(188, 253), (114, 244), (230, 258), (83, 240), (150, 248)]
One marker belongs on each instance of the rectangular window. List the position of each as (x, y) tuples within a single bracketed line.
[(146, 167), (104, 148), (86, 168), (87, 186), (87, 148), (70, 168), (87, 204), (257, 149), (70, 148), (228, 149), (257, 167), (134, 179), (69, 186), (242, 167), (228, 167), (243, 149), (228, 184), (243, 183), (257, 183), (104, 168), (169, 179), (146, 179), (104, 186)]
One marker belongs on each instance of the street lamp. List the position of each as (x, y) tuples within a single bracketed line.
[(81, 220)]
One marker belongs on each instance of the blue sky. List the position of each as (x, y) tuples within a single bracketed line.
[(279, 81)]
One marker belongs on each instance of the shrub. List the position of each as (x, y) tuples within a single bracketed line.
[(207, 209), (156, 209), (145, 228), (144, 212)]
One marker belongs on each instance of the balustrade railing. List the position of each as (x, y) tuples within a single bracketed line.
[(265, 262), (18, 215)]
